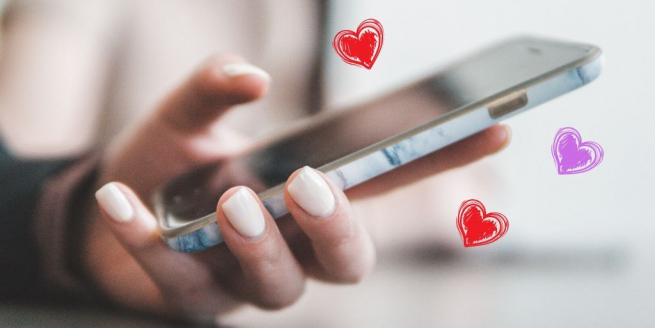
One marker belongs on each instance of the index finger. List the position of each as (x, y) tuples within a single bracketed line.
[(223, 81)]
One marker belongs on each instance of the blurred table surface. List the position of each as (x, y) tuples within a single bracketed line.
[(428, 287)]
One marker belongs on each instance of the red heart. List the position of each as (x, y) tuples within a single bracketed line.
[(361, 48), (477, 227)]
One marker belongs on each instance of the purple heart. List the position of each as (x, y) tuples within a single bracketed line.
[(572, 155)]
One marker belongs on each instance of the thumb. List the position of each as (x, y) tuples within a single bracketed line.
[(223, 81)]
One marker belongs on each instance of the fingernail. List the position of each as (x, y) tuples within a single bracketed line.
[(507, 136), (237, 69), (114, 202), (312, 193), (244, 213)]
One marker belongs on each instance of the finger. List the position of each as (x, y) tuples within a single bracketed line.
[(270, 275), (223, 81), (184, 281), (463, 152), (343, 249)]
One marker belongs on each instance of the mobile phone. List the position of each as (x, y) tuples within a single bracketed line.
[(356, 144)]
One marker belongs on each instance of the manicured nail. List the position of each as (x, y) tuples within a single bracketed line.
[(312, 193), (238, 69), (507, 136), (244, 213), (114, 202)]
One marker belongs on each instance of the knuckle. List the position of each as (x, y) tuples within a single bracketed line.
[(278, 301), (274, 285), (340, 234), (267, 258), (346, 266)]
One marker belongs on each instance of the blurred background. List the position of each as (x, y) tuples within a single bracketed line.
[(579, 252)]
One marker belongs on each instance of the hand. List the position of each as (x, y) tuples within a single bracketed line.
[(262, 262)]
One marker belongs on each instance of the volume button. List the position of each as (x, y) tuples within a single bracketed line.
[(508, 103)]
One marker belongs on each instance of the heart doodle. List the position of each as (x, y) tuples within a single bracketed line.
[(360, 48), (478, 227), (573, 156)]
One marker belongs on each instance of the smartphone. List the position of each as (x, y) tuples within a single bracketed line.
[(358, 143)]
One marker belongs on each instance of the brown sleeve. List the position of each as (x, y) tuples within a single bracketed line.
[(57, 230)]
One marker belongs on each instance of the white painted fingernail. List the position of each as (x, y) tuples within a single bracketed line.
[(114, 202), (244, 213), (312, 193), (238, 69)]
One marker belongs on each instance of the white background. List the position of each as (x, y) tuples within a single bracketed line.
[(583, 245)]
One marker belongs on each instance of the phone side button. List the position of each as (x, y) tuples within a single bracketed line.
[(508, 103)]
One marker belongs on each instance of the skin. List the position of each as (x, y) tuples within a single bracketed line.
[(132, 265)]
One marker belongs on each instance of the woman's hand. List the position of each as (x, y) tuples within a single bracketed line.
[(261, 262)]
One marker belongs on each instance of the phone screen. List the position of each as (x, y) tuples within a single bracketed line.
[(335, 136)]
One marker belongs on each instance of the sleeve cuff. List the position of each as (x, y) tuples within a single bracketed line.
[(56, 228)]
